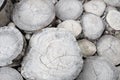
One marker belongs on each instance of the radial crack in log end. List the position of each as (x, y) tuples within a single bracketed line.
[(58, 58)]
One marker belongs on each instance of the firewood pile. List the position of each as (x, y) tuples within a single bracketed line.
[(59, 39)]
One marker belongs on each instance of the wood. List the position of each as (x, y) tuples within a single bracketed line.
[(7, 73), (2, 4), (5, 12), (11, 44), (52, 52), (97, 68), (30, 15), (108, 47)]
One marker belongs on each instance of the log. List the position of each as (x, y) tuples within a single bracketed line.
[(11, 44), (7, 73), (53, 54), (30, 15), (98, 68), (108, 47), (73, 10)]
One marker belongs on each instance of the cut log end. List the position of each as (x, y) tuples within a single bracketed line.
[(11, 41)]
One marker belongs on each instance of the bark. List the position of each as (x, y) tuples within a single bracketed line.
[(5, 12)]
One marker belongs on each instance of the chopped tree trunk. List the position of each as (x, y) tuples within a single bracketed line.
[(97, 68), (72, 26), (7, 73), (87, 47), (89, 22), (11, 44), (31, 15), (2, 4), (73, 10), (53, 54), (108, 47)]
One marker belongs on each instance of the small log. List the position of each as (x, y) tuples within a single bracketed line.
[(53, 54), (7, 73), (11, 44)]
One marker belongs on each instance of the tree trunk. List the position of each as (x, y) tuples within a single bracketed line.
[(11, 45)]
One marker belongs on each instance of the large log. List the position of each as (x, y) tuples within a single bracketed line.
[(31, 15), (53, 54)]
